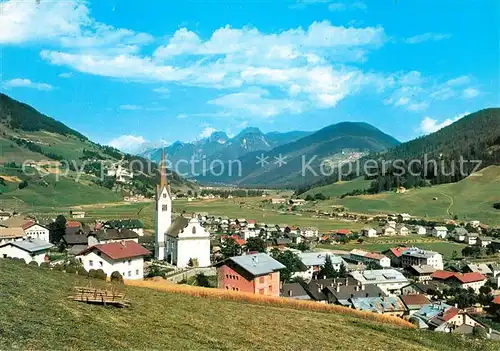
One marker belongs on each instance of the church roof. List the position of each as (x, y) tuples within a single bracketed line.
[(177, 226)]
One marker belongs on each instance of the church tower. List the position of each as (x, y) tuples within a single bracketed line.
[(163, 218)]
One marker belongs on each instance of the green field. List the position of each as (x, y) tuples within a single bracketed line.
[(469, 199), (36, 314), (339, 188)]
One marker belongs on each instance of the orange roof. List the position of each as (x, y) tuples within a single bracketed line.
[(496, 300), (236, 238), (398, 251), (344, 232), (73, 224), (442, 275), (470, 277)]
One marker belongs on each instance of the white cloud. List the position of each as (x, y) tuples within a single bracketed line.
[(65, 75), (181, 116), (67, 23), (162, 90), (128, 107), (207, 131), (427, 37), (470, 93), (26, 83), (347, 5), (254, 103), (128, 143), (462, 80), (431, 125)]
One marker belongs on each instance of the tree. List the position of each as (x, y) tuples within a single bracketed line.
[(292, 264), (454, 255), (230, 248), (303, 246), (343, 271), (309, 198), (57, 229), (202, 280), (256, 244), (23, 184), (479, 332), (328, 271), (116, 277)]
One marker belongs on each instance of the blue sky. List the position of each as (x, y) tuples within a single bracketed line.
[(135, 72)]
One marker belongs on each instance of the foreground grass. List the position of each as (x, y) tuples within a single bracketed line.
[(35, 314)]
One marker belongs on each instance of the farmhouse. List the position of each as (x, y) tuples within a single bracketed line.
[(369, 232), (471, 238), (484, 241), (390, 281), (420, 230), (421, 272), (125, 257), (11, 234), (403, 217), (342, 291), (105, 236), (439, 232), (415, 302), (367, 257), (459, 234), (394, 255), (256, 273), (389, 230), (279, 200), (313, 261), (415, 256), (28, 250), (34, 230), (134, 225)]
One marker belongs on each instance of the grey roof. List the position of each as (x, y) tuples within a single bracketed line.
[(472, 235), (257, 264), (460, 231), (318, 258), (177, 226), (294, 291), (75, 239), (423, 269), (481, 268), (354, 290), (114, 234), (379, 304), (76, 249), (33, 245), (485, 238), (441, 228), (377, 276), (416, 252)]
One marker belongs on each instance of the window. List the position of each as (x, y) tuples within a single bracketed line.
[(261, 280), (100, 264), (164, 208), (270, 288), (193, 230), (91, 263), (129, 273), (136, 272), (261, 291), (129, 262), (164, 195)]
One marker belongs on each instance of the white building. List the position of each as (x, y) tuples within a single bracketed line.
[(420, 230), (369, 232), (184, 241), (367, 257), (440, 232), (310, 232), (418, 257), (37, 231), (126, 257), (314, 261), (28, 250), (11, 234), (390, 281), (121, 174)]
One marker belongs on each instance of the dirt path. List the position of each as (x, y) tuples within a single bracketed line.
[(448, 210)]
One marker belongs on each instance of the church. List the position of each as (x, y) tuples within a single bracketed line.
[(182, 242)]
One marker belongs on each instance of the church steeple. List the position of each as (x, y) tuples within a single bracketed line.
[(163, 170)]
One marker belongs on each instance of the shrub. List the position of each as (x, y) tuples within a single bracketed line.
[(23, 184), (116, 277), (81, 271), (33, 263), (70, 269), (479, 332), (45, 265), (59, 267), (99, 274), (92, 273)]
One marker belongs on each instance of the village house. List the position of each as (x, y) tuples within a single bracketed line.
[(11, 234), (420, 272), (236, 238), (425, 287), (314, 261), (134, 225), (34, 230), (341, 233), (390, 305), (341, 291), (403, 217), (414, 303), (484, 241), (473, 280), (367, 257), (471, 238), (479, 267), (389, 230), (310, 232), (416, 257), (369, 232), (298, 202), (77, 214), (440, 232), (4, 216), (29, 250), (125, 257), (394, 255), (294, 291), (256, 273), (459, 233), (74, 243), (105, 236), (420, 230), (390, 281), (402, 230), (279, 200)]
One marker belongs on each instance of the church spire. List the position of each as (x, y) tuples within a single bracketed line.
[(163, 170)]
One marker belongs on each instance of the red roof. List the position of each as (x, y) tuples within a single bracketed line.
[(496, 300), (398, 251), (73, 224), (27, 224), (344, 232), (449, 314), (470, 277), (442, 275), (236, 238), (251, 221), (119, 250)]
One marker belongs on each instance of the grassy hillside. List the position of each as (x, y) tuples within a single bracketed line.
[(35, 314), (470, 199), (339, 188)]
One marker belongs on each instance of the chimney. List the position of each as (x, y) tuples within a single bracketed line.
[(324, 277), (362, 287), (321, 286), (346, 281), (338, 288), (319, 289), (356, 288), (123, 243)]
